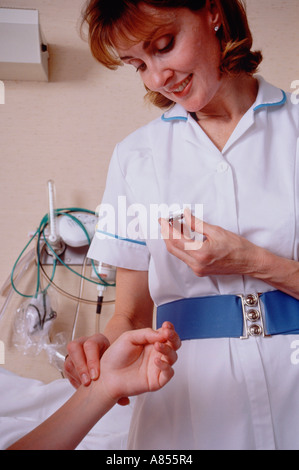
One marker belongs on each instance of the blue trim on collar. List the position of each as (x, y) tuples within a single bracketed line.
[(260, 106), (278, 103), (174, 118)]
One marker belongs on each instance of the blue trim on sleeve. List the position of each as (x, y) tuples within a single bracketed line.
[(117, 237), (278, 103), (174, 118)]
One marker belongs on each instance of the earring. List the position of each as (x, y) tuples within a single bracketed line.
[(216, 28)]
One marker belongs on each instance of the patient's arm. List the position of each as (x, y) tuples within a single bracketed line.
[(138, 361)]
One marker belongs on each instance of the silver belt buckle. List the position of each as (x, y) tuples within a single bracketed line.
[(253, 321)]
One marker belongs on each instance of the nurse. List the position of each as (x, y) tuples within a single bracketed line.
[(227, 142)]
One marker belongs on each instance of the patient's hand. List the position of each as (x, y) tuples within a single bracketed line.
[(139, 361)]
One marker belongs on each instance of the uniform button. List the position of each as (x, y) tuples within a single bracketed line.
[(222, 167), (255, 330), (251, 300), (253, 315)]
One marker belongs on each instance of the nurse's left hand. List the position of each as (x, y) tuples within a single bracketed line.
[(221, 253), (82, 364)]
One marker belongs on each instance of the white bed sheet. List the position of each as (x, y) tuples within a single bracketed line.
[(25, 403)]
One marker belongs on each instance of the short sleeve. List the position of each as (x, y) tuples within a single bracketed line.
[(118, 239)]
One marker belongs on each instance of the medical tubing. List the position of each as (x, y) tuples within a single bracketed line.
[(26, 260), (103, 282), (25, 263), (39, 233), (79, 297), (68, 267), (15, 265), (71, 296)]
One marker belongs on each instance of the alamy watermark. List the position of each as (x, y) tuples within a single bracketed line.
[(295, 93), (137, 222), (2, 353), (2, 93)]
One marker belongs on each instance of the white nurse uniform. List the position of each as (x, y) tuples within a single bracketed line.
[(227, 393)]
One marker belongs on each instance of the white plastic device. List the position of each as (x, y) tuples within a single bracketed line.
[(71, 232)]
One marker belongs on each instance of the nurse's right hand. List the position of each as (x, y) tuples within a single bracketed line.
[(82, 364)]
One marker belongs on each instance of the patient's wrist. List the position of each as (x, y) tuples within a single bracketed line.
[(103, 394)]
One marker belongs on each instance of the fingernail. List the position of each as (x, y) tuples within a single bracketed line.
[(84, 379), (93, 374)]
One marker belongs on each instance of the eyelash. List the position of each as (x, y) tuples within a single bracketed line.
[(160, 51), (139, 68), (168, 47)]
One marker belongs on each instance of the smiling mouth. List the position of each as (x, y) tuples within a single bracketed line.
[(183, 85)]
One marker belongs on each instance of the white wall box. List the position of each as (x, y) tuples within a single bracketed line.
[(23, 49)]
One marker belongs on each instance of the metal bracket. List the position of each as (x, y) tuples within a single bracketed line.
[(71, 256)]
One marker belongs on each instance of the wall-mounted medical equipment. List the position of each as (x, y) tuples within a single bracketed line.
[(23, 49), (62, 238)]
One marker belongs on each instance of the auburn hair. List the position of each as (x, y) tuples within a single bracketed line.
[(109, 21)]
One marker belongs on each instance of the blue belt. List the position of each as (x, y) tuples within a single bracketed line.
[(232, 316)]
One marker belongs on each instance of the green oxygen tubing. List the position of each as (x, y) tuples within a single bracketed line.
[(39, 235)]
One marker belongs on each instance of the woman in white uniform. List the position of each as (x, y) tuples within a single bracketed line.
[(227, 143)]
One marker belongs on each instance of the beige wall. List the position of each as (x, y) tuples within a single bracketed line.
[(66, 129)]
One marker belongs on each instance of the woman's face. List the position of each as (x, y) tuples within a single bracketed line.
[(181, 60)]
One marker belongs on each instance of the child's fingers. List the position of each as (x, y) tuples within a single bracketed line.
[(169, 355), (166, 373), (144, 336), (162, 365), (166, 334), (171, 335)]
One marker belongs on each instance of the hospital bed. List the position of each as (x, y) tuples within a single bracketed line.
[(25, 403)]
